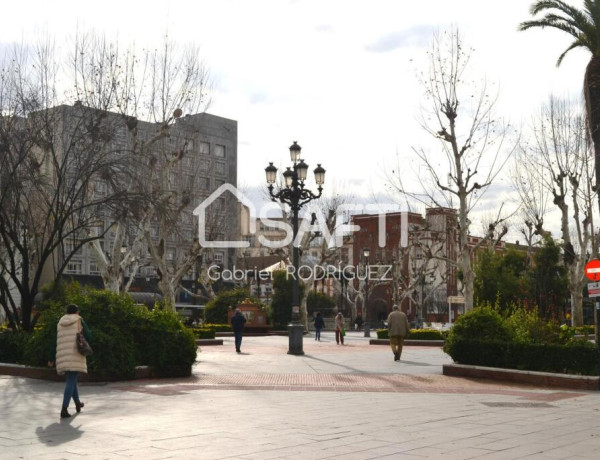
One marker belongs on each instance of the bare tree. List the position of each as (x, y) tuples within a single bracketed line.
[(52, 156), (533, 199), (150, 90), (461, 117), (563, 160)]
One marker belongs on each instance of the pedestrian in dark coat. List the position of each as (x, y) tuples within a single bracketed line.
[(237, 323), (319, 324)]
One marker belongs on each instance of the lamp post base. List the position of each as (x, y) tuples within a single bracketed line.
[(296, 334), (367, 330)]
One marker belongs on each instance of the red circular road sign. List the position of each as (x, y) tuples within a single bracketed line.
[(592, 270)]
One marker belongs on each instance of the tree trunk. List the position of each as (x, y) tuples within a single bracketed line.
[(168, 292), (577, 308), (592, 100)]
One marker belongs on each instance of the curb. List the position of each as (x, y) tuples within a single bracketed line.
[(540, 379), (49, 373), (420, 343), (207, 342)]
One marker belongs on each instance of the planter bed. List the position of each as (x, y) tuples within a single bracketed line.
[(547, 379), (49, 373), (420, 343)]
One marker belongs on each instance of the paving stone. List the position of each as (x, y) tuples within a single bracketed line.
[(353, 402)]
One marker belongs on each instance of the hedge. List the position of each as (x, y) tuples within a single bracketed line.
[(579, 357), (416, 334), (203, 333), (123, 336)]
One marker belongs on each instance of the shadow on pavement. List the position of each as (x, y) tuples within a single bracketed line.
[(58, 433), (336, 364), (414, 363)]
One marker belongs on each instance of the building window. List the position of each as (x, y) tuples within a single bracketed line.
[(204, 148), (188, 182), (100, 188), (94, 270), (218, 257), (74, 266), (204, 183), (189, 145), (220, 151), (220, 167), (188, 162), (70, 248), (170, 255), (204, 165)]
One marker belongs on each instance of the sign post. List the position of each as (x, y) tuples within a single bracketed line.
[(592, 271)]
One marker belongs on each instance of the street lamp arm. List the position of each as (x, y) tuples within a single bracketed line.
[(295, 198)]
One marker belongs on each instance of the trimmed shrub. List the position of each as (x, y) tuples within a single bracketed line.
[(382, 334), (217, 327), (481, 323), (417, 334), (166, 344), (425, 334), (123, 336), (579, 357), (203, 333)]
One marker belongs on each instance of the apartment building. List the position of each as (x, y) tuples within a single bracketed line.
[(206, 146)]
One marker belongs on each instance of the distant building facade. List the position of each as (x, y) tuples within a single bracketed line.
[(208, 147)]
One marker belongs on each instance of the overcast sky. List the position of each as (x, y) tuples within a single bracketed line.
[(337, 76)]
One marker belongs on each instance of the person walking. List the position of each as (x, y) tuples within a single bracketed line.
[(340, 331), (397, 330), (237, 323), (68, 359), (319, 324)]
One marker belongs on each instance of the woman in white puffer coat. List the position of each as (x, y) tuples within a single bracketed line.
[(68, 360)]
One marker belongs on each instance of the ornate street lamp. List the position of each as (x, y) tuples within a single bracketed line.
[(366, 253), (295, 195)]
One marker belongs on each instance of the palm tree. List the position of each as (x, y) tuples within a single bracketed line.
[(584, 26)]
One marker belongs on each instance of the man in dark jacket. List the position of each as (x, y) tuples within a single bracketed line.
[(237, 323)]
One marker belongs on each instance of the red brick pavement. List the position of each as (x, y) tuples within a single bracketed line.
[(394, 383)]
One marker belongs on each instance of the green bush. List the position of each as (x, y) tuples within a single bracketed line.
[(12, 346), (527, 326), (123, 336), (217, 327), (416, 334), (585, 330), (425, 334), (481, 323), (574, 358), (281, 302), (217, 307), (167, 345), (203, 333)]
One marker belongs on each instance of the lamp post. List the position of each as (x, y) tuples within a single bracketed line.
[(295, 195), (366, 253)]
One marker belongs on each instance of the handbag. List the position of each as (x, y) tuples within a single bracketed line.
[(83, 346), (343, 332)]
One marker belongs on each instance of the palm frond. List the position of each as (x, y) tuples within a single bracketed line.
[(575, 44), (583, 25)]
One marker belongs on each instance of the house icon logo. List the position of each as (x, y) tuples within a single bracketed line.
[(200, 211)]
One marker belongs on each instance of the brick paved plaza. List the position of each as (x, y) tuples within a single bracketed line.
[(351, 402)]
